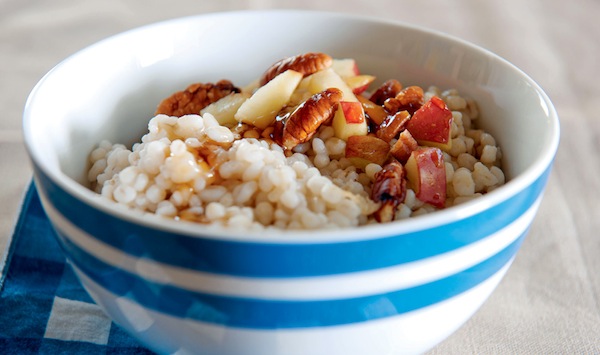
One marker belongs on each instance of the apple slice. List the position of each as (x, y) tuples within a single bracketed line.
[(345, 67), (431, 125), (262, 107), (225, 108), (362, 150), (359, 83), (426, 173)]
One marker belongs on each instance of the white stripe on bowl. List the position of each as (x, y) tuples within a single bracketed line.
[(303, 288)]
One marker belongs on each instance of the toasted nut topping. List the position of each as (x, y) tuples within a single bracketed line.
[(306, 64), (389, 188), (194, 98), (408, 99), (404, 146), (387, 90), (303, 123), (392, 125)]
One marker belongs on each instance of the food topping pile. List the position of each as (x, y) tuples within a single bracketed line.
[(310, 144)]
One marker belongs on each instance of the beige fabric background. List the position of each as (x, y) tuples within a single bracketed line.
[(549, 302)]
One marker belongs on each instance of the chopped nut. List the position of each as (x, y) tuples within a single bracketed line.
[(392, 125), (389, 188), (404, 146), (303, 123), (307, 63), (387, 90), (375, 113), (408, 99), (363, 150), (194, 98)]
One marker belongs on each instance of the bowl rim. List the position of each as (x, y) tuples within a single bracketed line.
[(512, 187)]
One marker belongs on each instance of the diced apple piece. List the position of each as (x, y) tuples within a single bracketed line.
[(392, 125), (404, 146), (362, 150), (343, 126), (349, 120), (353, 112), (376, 113), (426, 173), (431, 125), (225, 108), (345, 67), (262, 107), (359, 83)]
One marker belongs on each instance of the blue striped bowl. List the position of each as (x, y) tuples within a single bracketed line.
[(398, 287)]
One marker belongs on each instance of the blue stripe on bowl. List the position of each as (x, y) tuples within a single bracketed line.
[(273, 314), (254, 259)]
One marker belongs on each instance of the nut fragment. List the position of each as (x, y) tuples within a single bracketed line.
[(387, 90), (404, 146), (195, 97), (307, 63), (392, 125), (389, 188), (408, 99), (303, 123)]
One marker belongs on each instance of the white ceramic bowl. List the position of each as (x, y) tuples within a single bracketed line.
[(393, 288)]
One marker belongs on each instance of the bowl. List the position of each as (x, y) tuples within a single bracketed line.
[(400, 287)]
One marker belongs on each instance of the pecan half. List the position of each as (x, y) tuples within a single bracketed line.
[(306, 64), (389, 188), (194, 98), (303, 123), (389, 89)]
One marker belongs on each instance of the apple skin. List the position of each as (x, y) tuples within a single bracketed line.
[(349, 120), (431, 125), (426, 173), (353, 112)]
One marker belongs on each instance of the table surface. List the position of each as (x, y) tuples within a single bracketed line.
[(549, 301)]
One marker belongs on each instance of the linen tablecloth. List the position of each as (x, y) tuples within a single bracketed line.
[(548, 302)]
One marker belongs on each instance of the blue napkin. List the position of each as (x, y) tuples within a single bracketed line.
[(43, 308)]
